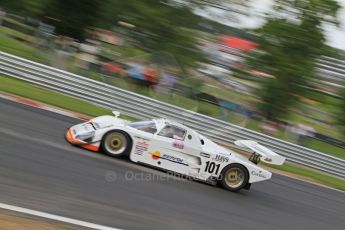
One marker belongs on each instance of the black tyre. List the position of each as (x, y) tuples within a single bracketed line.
[(116, 144), (234, 177)]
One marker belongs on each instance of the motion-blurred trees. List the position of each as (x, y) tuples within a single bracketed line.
[(72, 17), (290, 42), (24, 7), (157, 25)]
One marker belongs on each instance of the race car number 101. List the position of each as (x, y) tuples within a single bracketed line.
[(211, 166)]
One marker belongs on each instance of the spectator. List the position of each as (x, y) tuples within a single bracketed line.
[(269, 127), (166, 83), (150, 74), (304, 131)]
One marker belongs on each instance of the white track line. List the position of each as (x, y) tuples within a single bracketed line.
[(55, 217)]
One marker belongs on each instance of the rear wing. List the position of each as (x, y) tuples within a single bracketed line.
[(260, 152)]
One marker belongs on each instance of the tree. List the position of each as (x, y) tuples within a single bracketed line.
[(158, 26), (232, 6), (23, 7), (289, 49), (72, 17)]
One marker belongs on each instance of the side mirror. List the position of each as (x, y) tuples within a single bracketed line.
[(116, 114)]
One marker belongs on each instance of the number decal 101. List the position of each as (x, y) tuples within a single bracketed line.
[(211, 167)]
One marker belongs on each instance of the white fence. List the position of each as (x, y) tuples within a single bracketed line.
[(143, 107)]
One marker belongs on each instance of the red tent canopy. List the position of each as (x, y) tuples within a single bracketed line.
[(237, 43)]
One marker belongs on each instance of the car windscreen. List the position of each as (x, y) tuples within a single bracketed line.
[(146, 126)]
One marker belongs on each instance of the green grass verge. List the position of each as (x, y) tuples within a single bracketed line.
[(18, 23), (316, 176), (16, 34), (21, 88), (325, 148), (21, 49)]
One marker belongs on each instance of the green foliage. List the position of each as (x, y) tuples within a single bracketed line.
[(158, 26), (290, 49), (24, 7), (72, 17)]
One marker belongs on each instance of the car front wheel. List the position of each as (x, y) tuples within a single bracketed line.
[(116, 144)]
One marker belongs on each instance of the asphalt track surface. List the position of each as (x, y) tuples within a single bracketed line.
[(39, 170)]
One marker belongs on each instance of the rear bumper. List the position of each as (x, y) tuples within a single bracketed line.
[(71, 139)]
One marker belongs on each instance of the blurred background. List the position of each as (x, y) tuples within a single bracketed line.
[(273, 66)]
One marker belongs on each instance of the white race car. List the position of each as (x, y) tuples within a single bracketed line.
[(176, 148)]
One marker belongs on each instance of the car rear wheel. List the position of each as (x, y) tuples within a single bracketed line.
[(234, 177), (116, 144)]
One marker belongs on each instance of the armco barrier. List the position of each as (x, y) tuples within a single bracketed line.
[(143, 107)]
